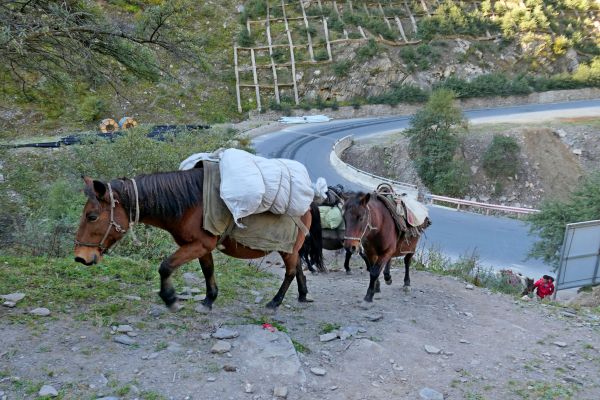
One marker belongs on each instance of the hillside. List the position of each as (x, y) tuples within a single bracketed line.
[(345, 52)]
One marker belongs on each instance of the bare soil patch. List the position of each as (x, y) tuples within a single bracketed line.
[(491, 346)]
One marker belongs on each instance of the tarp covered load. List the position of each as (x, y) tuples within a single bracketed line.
[(251, 185), (266, 231), (331, 217)]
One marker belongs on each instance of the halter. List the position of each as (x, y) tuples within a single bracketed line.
[(114, 223), (367, 226)]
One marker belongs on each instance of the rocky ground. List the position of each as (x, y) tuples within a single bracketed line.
[(554, 156), (443, 340)]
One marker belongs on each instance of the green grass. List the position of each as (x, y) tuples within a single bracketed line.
[(328, 327), (535, 390), (96, 293)]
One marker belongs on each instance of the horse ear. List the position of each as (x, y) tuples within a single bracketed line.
[(365, 199), (100, 189)]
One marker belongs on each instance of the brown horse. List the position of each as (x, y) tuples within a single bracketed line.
[(172, 201), (371, 229)]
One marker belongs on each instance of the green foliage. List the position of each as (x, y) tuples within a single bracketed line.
[(495, 84), (342, 68), (451, 19), (92, 108), (400, 93), (549, 224), (41, 200), (419, 58), (244, 38), (501, 158), (321, 55), (433, 145), (367, 51)]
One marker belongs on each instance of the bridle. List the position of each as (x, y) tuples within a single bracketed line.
[(114, 223), (367, 226)]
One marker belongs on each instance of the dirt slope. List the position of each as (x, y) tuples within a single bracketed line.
[(491, 346)]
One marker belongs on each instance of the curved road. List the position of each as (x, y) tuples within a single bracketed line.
[(499, 242)]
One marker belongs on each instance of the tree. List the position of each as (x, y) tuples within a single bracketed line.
[(44, 43), (549, 224), (433, 144)]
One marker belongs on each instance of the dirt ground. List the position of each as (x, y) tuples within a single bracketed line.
[(480, 345)]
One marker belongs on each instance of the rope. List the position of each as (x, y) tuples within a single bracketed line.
[(137, 215)]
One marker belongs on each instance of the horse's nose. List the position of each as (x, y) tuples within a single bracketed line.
[(80, 260), (353, 249), (84, 262)]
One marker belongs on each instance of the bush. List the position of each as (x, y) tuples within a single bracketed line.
[(321, 55), (341, 68), (244, 38), (501, 158), (367, 51), (92, 108), (496, 84), (400, 94)]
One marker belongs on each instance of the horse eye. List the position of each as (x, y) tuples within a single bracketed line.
[(92, 217)]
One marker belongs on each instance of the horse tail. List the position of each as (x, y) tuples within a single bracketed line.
[(315, 239)]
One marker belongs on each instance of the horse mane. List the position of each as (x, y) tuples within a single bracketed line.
[(163, 194)]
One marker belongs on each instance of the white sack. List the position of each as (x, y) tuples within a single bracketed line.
[(195, 158), (251, 184)]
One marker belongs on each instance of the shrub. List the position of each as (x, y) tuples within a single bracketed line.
[(341, 68), (367, 51), (501, 158), (321, 55), (92, 108), (400, 94), (244, 38)]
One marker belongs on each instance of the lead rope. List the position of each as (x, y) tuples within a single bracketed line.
[(137, 215)]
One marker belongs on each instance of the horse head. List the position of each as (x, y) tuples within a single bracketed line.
[(357, 217), (104, 221)]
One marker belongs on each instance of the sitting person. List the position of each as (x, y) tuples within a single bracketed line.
[(544, 286)]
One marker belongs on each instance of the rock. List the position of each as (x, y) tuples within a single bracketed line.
[(211, 379), (572, 379), (464, 341), (191, 279), (318, 371), (14, 297), (328, 337), (224, 333), (124, 339), (132, 334), (430, 394), (229, 368), (157, 311), (174, 347), (124, 328), (248, 388), (108, 398), (48, 390), (134, 298), (431, 349), (40, 312), (205, 336), (470, 287), (347, 332), (221, 347), (9, 304), (280, 391), (560, 344), (375, 317), (258, 299), (577, 152)]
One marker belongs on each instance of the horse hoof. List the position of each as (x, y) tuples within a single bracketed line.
[(368, 299), (175, 307), (407, 289), (203, 308), (388, 282), (306, 299), (348, 272)]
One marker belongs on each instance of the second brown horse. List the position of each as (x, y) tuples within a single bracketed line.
[(371, 229)]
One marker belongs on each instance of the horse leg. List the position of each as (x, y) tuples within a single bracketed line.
[(369, 264), (181, 256), (291, 262), (407, 260), (302, 288), (374, 272), (386, 273), (212, 290), (347, 263)]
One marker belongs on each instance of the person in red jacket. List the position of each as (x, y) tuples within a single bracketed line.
[(544, 286)]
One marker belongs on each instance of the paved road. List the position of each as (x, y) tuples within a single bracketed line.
[(500, 242)]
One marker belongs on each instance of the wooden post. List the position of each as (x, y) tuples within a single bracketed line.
[(424, 5), (400, 28), (307, 26), (412, 18), (292, 59), (255, 76), (273, 66), (237, 78), (383, 15), (335, 7), (327, 39), (360, 29)]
